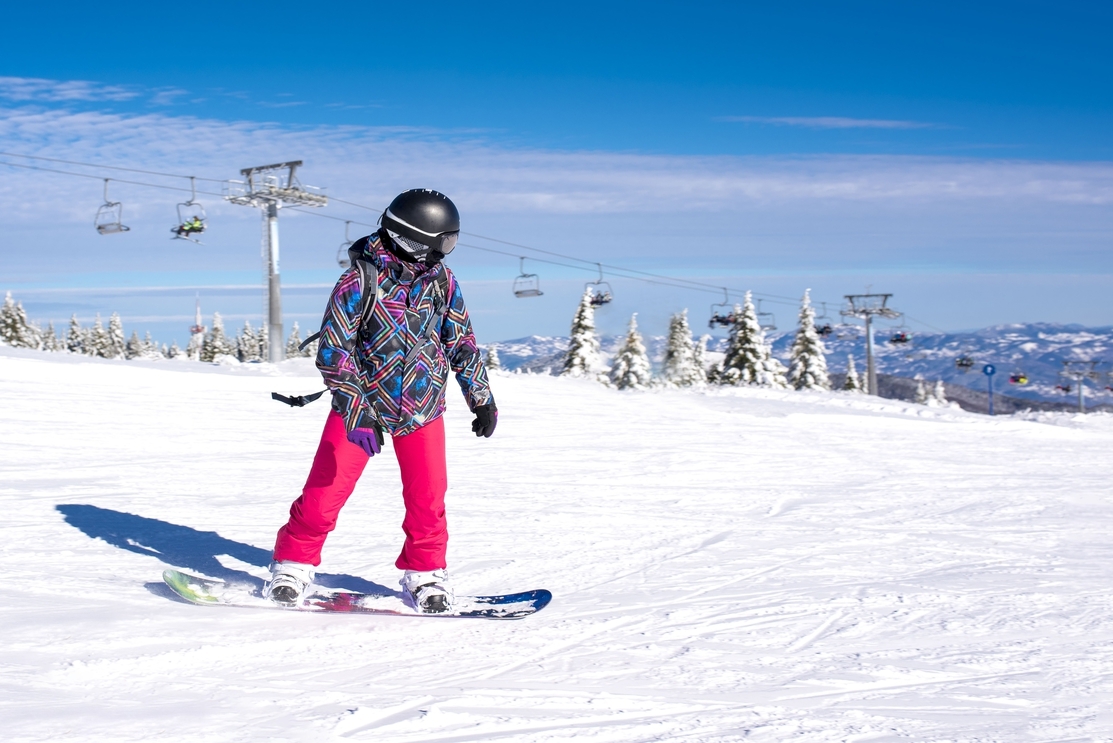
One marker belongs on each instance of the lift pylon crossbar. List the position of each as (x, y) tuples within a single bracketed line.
[(867, 307)]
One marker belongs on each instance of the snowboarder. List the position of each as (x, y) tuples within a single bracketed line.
[(394, 327)]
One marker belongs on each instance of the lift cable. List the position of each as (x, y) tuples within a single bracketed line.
[(659, 280), (623, 272), (114, 180), (109, 167)]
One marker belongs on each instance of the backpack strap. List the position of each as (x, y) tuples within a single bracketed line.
[(368, 277), (298, 401), (433, 328)]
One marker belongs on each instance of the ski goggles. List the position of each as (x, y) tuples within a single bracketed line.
[(444, 244)]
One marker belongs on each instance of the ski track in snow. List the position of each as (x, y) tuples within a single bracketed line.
[(726, 565)]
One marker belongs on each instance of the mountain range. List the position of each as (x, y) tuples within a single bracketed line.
[(1032, 351)]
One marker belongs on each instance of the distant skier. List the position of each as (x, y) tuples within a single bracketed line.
[(385, 355)]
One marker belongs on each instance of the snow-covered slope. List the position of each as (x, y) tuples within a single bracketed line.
[(737, 564), (1036, 349)]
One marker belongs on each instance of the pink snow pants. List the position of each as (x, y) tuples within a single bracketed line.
[(336, 468)]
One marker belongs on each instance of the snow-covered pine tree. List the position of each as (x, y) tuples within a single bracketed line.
[(215, 343), (631, 370), (939, 393), (10, 332), (117, 346), (699, 358), (263, 336), (582, 359), (492, 362), (749, 360), (173, 352), (50, 339), (921, 397), (193, 348), (149, 349), (134, 347), (15, 330), (248, 344), (853, 382), (679, 368), (75, 336), (293, 341), (808, 367), (97, 340)]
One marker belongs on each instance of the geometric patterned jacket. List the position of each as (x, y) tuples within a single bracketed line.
[(386, 359)]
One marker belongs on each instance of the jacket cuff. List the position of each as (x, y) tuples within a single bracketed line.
[(489, 399)]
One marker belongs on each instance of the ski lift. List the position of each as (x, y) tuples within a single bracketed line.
[(965, 363), (822, 323), (1064, 388), (1018, 377), (765, 319), (900, 334), (191, 217), (527, 284), (342, 257), (600, 290), (108, 216), (722, 313)]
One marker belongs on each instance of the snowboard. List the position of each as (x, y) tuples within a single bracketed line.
[(206, 592)]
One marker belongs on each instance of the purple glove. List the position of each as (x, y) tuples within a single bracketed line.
[(367, 439)]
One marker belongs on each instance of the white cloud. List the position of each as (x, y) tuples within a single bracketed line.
[(830, 122), (57, 91), (167, 96), (369, 165)]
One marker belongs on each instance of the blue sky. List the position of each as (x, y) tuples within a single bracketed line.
[(957, 155)]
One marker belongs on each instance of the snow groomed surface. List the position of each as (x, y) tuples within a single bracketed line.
[(732, 565)]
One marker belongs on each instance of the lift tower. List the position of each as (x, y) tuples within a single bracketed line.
[(1078, 371), (867, 307), (270, 187)]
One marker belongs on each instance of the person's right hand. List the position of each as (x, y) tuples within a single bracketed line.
[(366, 439)]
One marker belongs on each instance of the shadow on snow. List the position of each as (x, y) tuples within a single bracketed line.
[(189, 549)]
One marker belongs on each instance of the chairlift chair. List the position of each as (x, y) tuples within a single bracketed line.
[(600, 290), (822, 323), (342, 258), (1018, 377), (722, 313), (766, 320), (192, 220), (109, 215), (964, 363), (527, 284), (1064, 388), (900, 334)]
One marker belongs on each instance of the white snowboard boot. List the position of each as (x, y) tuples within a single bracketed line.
[(430, 591), (289, 582)]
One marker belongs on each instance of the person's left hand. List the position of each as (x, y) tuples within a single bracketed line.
[(486, 418)]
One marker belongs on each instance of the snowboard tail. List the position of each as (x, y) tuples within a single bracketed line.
[(206, 592)]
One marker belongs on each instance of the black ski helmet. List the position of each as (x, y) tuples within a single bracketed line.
[(422, 223)]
